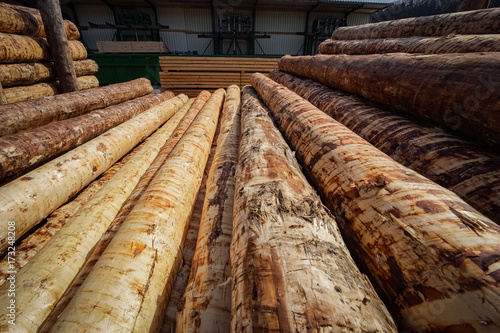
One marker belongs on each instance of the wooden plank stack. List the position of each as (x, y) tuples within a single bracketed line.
[(132, 47), (26, 69), (191, 74)]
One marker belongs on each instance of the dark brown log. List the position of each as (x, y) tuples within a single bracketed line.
[(426, 45), (456, 91), (441, 157), (466, 5), (35, 113), (50, 11), (435, 257), (27, 149), (29, 73), (18, 48), (3, 98), (485, 21), (28, 21)]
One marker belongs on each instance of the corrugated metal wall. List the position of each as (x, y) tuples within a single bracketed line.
[(276, 21), (98, 15), (358, 18)]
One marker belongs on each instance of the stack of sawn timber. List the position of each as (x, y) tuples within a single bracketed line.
[(433, 253), (26, 69), (189, 75)]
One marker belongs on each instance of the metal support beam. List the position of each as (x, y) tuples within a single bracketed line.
[(346, 15), (307, 39)]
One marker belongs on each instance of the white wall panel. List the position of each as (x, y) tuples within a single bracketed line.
[(98, 15)]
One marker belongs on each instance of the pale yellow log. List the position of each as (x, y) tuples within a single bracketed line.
[(32, 197), (127, 289), (206, 304)]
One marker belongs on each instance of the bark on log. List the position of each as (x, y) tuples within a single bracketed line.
[(3, 98), (18, 48), (479, 22), (426, 45), (441, 157), (50, 10), (30, 73), (456, 91), (24, 150), (32, 114), (466, 5), (206, 303), (29, 199), (28, 21), (99, 248), (46, 89), (291, 270), (434, 256), (145, 251), (58, 263)]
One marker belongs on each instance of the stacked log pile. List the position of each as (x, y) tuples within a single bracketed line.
[(26, 61), (287, 206)]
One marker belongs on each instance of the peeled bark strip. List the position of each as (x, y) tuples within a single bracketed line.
[(457, 91), (53, 269), (127, 289), (443, 158), (291, 269), (45, 89), (23, 150), (173, 126), (426, 45), (31, 114), (434, 256), (19, 48), (31, 245), (478, 22), (28, 21), (29, 199), (29, 73), (206, 304)]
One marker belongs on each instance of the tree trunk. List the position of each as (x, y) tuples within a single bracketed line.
[(18, 48), (291, 270), (206, 303), (145, 252), (456, 91), (486, 21), (32, 114), (29, 199), (30, 148), (46, 89), (443, 158), (466, 5), (434, 256), (28, 21), (426, 45), (50, 11), (30, 73), (58, 263)]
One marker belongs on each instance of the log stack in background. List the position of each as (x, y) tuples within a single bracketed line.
[(26, 67)]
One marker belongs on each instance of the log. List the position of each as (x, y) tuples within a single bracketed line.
[(134, 274), (291, 270), (29, 199), (24, 150), (45, 89), (3, 98), (478, 22), (434, 257), (29, 73), (18, 48), (206, 303), (28, 21), (50, 10), (426, 45), (58, 263), (456, 91), (466, 5), (443, 158), (31, 114), (32, 244)]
